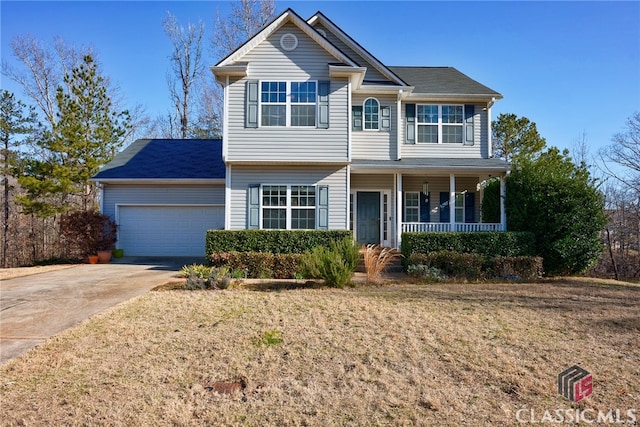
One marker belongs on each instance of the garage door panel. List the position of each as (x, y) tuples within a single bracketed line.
[(166, 230)]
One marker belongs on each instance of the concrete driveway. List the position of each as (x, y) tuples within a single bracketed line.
[(34, 308)]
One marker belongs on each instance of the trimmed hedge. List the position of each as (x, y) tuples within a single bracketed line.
[(272, 241), (259, 264), (489, 244), (476, 266)]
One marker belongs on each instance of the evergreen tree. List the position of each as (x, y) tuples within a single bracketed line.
[(15, 120), (87, 135)]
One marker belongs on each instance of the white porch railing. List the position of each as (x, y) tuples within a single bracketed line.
[(434, 227)]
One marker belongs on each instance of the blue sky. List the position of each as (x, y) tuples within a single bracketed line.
[(572, 67)]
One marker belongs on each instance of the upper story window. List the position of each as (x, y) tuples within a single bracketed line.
[(440, 124), (371, 116), (287, 104)]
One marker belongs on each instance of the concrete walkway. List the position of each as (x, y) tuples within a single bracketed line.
[(34, 308)]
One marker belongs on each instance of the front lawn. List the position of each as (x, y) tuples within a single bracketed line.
[(443, 354)]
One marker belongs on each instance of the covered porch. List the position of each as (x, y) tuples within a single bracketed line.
[(386, 203)]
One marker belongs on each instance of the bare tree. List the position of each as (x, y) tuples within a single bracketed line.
[(186, 66), (625, 153), (245, 19)]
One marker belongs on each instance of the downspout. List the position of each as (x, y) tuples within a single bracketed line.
[(225, 127), (489, 136), (398, 125)]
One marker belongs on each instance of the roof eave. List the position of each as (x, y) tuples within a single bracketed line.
[(486, 97), (159, 181), (236, 70)]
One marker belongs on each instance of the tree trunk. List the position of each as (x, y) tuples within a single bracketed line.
[(613, 259)]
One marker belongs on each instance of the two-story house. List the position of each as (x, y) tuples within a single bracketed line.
[(318, 134)]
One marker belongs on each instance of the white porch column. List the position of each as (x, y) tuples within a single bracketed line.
[(503, 196), (398, 209), (452, 202)]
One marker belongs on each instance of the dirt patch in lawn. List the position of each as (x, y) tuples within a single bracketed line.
[(443, 354)]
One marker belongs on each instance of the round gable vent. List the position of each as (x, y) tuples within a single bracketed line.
[(288, 41)]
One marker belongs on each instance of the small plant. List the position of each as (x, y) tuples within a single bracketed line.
[(270, 338), (203, 277), (377, 259), (335, 264), (426, 272)]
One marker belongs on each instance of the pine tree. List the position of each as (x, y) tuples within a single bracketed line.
[(15, 120), (88, 134)]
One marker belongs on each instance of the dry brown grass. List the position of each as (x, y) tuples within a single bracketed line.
[(443, 354), (12, 273), (376, 260)]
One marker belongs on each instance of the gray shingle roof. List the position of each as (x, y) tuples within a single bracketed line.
[(167, 159), (440, 164), (442, 80)]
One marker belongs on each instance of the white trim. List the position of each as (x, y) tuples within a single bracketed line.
[(287, 16), (489, 136), (160, 181), (452, 200), (398, 184), (440, 124), (399, 125), (227, 198), (350, 122), (225, 121), (382, 192), (288, 207), (348, 206), (288, 104), (364, 115)]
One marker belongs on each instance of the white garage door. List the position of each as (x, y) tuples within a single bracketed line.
[(166, 230)]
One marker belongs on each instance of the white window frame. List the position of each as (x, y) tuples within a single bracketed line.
[(364, 115), (288, 206), (288, 103), (459, 207), (405, 206), (440, 124)]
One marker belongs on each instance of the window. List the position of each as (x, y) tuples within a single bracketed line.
[(412, 207), (303, 207), (459, 207), (303, 104), (371, 114), (288, 207), (288, 103), (274, 206), (437, 124)]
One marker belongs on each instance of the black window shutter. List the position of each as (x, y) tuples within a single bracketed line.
[(251, 108), (425, 207), (323, 104), (410, 116), (444, 207), (356, 117), (469, 207), (468, 124)]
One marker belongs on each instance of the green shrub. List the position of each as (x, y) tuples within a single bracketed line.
[(425, 272), (258, 264), (204, 277), (335, 264), (453, 264), (484, 243), (473, 266), (272, 241), (520, 268)]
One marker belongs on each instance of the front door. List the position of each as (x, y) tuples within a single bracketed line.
[(368, 217)]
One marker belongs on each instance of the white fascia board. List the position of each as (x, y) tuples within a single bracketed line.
[(420, 170), (236, 70), (346, 39), (354, 74), (286, 17), (158, 181), (383, 89), (458, 97)]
